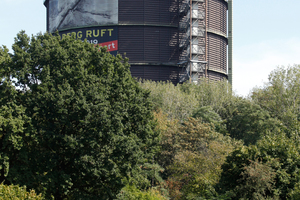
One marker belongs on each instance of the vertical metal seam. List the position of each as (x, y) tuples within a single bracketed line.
[(206, 41), (230, 17), (191, 21)]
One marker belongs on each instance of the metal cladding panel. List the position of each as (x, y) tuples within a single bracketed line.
[(155, 73), (215, 76), (131, 42), (217, 53), (217, 15), (155, 12), (152, 12), (152, 44), (131, 11), (144, 44)]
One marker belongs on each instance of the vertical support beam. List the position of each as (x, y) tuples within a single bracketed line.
[(191, 23), (230, 67), (206, 41)]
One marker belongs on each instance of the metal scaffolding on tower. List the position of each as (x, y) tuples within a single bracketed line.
[(192, 44)]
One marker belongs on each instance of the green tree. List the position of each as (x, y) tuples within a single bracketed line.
[(199, 155), (13, 135), (208, 115), (168, 144), (247, 121), (270, 169), (92, 124), (216, 94), (13, 120), (181, 101), (258, 180), (280, 96), (242, 120), (169, 98), (4, 60)]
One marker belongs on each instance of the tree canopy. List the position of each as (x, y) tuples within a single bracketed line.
[(87, 123), (280, 96), (74, 124)]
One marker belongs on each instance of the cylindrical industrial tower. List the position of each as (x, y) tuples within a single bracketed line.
[(164, 40)]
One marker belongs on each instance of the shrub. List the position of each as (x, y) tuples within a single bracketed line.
[(131, 192), (17, 193)]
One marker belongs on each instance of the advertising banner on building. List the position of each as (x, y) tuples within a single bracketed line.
[(68, 14), (103, 36)]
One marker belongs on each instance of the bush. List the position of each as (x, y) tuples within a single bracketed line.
[(17, 193), (131, 192)]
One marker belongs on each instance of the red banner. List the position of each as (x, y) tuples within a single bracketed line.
[(111, 45)]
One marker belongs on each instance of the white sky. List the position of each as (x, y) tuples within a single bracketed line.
[(266, 34)]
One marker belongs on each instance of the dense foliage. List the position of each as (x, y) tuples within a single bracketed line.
[(77, 124), (199, 155), (268, 169), (74, 124), (131, 192), (15, 192), (265, 167)]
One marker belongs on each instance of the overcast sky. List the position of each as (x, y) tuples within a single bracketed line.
[(265, 35)]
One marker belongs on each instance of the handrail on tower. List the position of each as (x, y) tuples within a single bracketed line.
[(192, 42)]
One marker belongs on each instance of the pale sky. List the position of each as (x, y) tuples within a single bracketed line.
[(266, 34)]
